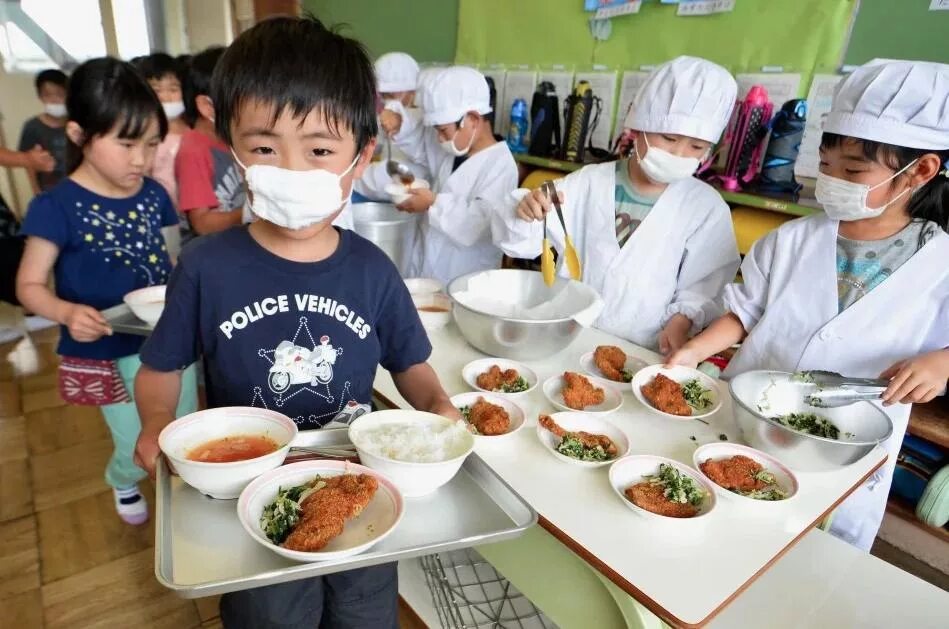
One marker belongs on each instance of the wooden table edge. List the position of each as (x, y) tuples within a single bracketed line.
[(620, 582)]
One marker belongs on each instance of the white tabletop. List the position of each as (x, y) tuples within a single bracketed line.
[(684, 571)]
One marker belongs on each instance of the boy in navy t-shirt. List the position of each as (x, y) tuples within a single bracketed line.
[(290, 313)]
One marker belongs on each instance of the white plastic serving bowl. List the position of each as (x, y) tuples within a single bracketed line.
[(412, 479), (575, 421), (225, 480), (785, 478), (400, 192), (423, 286), (147, 303), (681, 375), (475, 368), (434, 309), (376, 521), (612, 398), (631, 470), (514, 412)]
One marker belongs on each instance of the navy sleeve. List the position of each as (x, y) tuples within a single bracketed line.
[(402, 338), (45, 219), (174, 344)]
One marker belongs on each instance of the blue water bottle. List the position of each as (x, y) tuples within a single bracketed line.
[(517, 133)]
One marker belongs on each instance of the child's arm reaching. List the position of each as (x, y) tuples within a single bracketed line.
[(156, 396), (722, 334), (85, 323), (420, 387), (917, 380)]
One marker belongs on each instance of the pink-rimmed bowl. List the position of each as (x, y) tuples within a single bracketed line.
[(225, 480), (783, 476), (376, 521)]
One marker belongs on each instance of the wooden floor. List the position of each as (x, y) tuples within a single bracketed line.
[(66, 559)]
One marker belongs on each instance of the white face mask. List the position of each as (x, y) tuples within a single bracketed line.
[(56, 110), (844, 200), (173, 110), (449, 145), (295, 198), (664, 167)]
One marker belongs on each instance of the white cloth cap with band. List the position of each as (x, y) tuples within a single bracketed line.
[(904, 103), (396, 72), (452, 93), (686, 96)]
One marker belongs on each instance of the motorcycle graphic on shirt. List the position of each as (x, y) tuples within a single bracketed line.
[(293, 364), (298, 367)]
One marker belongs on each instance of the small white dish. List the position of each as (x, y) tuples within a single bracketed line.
[(514, 412), (400, 192), (612, 398), (376, 521), (588, 364), (147, 303), (423, 286), (631, 470), (681, 375), (784, 477), (475, 368), (574, 421), (434, 309)]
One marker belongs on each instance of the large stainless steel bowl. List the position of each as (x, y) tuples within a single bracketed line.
[(521, 338), (388, 228), (760, 396)]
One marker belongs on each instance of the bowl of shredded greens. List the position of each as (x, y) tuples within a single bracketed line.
[(570, 447), (745, 475), (773, 415)]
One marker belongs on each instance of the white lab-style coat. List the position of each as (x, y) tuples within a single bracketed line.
[(788, 304), (455, 234), (374, 179), (677, 261)]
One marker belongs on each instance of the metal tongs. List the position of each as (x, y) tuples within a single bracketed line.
[(571, 259), (835, 390)]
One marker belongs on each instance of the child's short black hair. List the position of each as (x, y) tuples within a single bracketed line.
[(198, 79), (158, 65), (56, 77), (297, 64), (930, 202), (105, 94)]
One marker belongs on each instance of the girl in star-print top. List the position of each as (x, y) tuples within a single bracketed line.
[(100, 232)]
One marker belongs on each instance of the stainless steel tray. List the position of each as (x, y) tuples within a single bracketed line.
[(123, 321), (202, 550)]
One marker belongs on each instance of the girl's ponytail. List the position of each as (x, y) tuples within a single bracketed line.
[(931, 202)]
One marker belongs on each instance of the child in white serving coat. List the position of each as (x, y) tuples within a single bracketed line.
[(862, 289), (656, 242), (473, 175)]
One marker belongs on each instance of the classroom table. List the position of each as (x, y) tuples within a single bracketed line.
[(684, 575)]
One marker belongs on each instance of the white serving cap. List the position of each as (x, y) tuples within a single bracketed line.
[(396, 72), (452, 93)]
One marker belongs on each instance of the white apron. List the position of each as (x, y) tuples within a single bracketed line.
[(677, 261), (788, 301)]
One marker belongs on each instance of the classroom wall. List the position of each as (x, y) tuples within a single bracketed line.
[(802, 36), (425, 29), (903, 29)]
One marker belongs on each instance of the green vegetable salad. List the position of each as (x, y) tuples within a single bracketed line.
[(810, 423), (281, 515), (572, 447), (679, 487), (697, 396)]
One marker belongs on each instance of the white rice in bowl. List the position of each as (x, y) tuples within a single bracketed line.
[(413, 442)]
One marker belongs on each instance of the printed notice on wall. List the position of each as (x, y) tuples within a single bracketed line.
[(818, 105), (705, 7), (939, 5), (630, 84), (781, 87)]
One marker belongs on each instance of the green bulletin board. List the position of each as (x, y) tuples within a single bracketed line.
[(425, 29), (803, 36), (899, 29)]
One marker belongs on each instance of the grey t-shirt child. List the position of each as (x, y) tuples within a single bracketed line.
[(53, 139)]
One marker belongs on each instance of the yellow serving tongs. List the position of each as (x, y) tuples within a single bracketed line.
[(571, 259), (547, 259)]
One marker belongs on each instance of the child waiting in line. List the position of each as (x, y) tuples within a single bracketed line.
[(99, 231), (47, 129), (210, 193), (296, 103)]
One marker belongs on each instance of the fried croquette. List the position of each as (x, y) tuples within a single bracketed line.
[(579, 393), (666, 395), (652, 497), (589, 440), (738, 473), (611, 361), (489, 419), (325, 511), (493, 379)]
